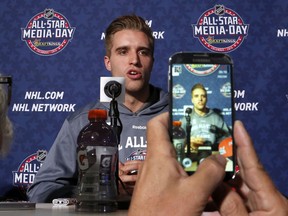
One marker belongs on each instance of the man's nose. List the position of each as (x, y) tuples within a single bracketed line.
[(134, 58)]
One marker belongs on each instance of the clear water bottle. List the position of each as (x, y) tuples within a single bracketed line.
[(97, 162), (179, 140)]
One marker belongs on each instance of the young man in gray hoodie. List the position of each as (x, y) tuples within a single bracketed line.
[(208, 127), (129, 53)]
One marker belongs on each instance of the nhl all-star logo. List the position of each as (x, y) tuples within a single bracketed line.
[(201, 69), (220, 29), (139, 154), (225, 90), (28, 168), (47, 33), (178, 91)]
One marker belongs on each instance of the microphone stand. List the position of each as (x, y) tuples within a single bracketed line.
[(188, 132), (114, 118), (112, 89)]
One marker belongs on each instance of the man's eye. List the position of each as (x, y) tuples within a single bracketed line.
[(122, 51), (144, 52)]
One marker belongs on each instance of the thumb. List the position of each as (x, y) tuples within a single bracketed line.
[(208, 176)]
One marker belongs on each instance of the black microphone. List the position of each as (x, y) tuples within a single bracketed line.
[(112, 89), (188, 111)]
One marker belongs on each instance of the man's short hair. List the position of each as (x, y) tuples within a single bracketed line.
[(131, 22), (198, 86)]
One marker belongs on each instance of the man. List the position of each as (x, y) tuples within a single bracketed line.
[(129, 53), (173, 192), (208, 128)]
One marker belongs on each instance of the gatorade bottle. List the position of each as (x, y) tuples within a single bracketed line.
[(179, 139), (97, 161)]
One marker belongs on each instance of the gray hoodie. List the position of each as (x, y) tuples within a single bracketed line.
[(211, 127), (58, 175)]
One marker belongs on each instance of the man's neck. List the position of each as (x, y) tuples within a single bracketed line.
[(135, 101), (201, 112)]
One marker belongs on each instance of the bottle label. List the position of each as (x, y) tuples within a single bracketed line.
[(86, 157), (98, 161), (103, 155), (179, 144), (97, 169), (105, 169)]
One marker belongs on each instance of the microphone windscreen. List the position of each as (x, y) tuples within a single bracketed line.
[(188, 110)]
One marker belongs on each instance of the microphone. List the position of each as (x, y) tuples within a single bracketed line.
[(188, 110), (113, 89)]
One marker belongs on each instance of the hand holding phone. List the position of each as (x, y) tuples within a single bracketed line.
[(201, 98)]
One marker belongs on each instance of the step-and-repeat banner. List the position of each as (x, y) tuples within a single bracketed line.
[(54, 51)]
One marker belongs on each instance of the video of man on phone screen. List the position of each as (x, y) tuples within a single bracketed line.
[(202, 113)]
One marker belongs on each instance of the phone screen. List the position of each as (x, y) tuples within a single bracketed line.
[(201, 108)]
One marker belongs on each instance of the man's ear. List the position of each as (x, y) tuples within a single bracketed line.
[(107, 63)]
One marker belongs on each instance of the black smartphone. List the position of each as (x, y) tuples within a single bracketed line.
[(201, 108)]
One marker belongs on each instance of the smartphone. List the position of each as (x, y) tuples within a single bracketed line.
[(202, 108)]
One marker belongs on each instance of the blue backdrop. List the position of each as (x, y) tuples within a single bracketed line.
[(54, 51)]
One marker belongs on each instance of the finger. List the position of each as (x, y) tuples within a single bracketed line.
[(207, 177), (120, 165), (132, 162), (251, 170), (128, 178), (257, 183), (245, 146), (131, 166), (158, 140), (228, 201)]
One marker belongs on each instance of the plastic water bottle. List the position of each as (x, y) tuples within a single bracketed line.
[(179, 139), (97, 161)]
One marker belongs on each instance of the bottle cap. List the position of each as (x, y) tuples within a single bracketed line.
[(177, 123), (97, 114)]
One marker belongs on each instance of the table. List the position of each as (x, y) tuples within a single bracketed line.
[(45, 209), (194, 165)]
